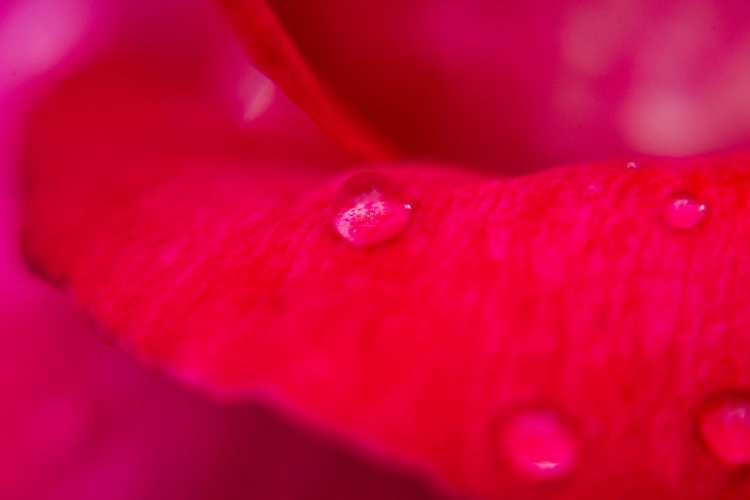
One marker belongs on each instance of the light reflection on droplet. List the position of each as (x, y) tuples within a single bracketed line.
[(538, 446), (683, 210), (370, 208)]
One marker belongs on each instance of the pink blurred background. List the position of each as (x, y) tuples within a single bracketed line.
[(78, 419)]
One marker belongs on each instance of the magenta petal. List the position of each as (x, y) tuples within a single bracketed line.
[(274, 52), (512, 86), (207, 250)]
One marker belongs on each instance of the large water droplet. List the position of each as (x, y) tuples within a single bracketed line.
[(725, 427), (539, 447), (370, 208), (683, 210)]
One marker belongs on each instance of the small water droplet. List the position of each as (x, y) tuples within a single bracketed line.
[(370, 208), (539, 447), (683, 210), (725, 427), (631, 165)]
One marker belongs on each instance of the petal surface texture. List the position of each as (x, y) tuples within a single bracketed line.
[(205, 246)]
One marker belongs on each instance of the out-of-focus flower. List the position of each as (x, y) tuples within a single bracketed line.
[(565, 327), (515, 85)]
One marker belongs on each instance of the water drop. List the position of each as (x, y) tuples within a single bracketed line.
[(370, 208), (539, 447), (725, 427), (631, 165), (683, 210)]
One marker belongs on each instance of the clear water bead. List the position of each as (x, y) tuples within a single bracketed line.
[(683, 210), (370, 208), (539, 447), (725, 427)]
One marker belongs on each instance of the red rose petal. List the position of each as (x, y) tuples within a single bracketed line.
[(271, 49), (513, 85), (201, 249)]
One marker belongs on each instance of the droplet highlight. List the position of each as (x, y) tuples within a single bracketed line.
[(683, 210), (725, 427), (539, 447), (631, 165), (370, 208)]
